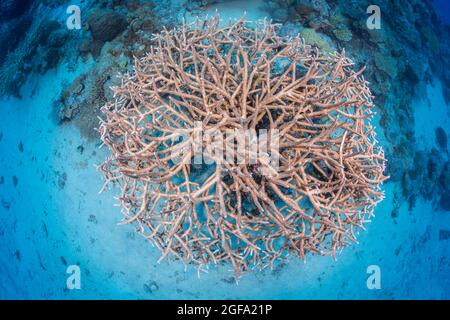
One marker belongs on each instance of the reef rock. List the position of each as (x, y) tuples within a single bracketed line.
[(312, 7), (445, 201)]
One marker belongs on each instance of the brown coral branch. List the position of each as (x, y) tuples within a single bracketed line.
[(243, 76)]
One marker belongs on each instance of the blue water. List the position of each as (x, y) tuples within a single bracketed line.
[(52, 216)]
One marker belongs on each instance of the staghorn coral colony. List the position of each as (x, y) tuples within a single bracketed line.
[(241, 77), (56, 82)]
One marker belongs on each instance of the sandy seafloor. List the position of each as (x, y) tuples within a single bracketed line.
[(57, 218)]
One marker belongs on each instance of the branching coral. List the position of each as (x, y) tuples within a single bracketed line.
[(243, 76)]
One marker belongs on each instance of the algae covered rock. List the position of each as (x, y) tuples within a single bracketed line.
[(387, 64), (10, 9), (106, 24)]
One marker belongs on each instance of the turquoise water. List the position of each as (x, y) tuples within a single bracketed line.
[(52, 215)]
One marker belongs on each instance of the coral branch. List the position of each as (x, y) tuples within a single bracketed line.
[(240, 77)]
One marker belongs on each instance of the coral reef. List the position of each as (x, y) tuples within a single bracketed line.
[(12, 9), (312, 37), (411, 45), (243, 76), (444, 184), (399, 64)]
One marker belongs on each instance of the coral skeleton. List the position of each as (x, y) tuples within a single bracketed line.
[(242, 75)]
